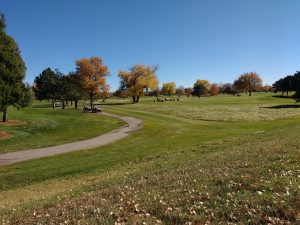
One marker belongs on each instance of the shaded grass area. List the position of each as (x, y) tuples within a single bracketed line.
[(174, 171), (294, 106), (46, 127)]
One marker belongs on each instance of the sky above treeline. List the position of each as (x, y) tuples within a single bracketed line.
[(188, 39)]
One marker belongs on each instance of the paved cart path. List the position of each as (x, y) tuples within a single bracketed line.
[(132, 125)]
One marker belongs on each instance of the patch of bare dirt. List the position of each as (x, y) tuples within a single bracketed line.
[(4, 135), (13, 123)]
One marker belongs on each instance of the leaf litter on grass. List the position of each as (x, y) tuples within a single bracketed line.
[(239, 184)]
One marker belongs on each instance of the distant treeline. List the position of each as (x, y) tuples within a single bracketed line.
[(288, 84)]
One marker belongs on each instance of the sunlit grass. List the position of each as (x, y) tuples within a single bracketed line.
[(46, 127), (176, 170)]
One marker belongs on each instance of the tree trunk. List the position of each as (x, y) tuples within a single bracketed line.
[(67, 102), (71, 102), (63, 104), (250, 93), (76, 101), (5, 116), (137, 99), (53, 104), (91, 101), (133, 99)]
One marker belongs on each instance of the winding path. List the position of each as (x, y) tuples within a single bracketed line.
[(133, 125)]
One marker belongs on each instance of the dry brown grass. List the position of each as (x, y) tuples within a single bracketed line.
[(4, 135), (13, 123)]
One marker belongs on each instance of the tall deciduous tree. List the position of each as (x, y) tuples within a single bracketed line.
[(289, 83), (296, 85), (180, 91), (226, 88), (104, 92), (74, 88), (12, 72), (63, 87), (266, 88), (248, 82), (46, 86), (168, 88), (188, 91), (239, 86), (92, 74), (138, 80), (214, 89), (201, 87), (285, 84), (122, 90), (278, 86)]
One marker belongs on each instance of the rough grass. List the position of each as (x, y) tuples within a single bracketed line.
[(174, 171), (225, 108), (249, 112), (42, 127)]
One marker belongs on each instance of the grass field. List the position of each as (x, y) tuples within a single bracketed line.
[(211, 160), (42, 127)]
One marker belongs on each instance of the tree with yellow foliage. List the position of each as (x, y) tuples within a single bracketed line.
[(201, 87), (168, 88), (138, 80), (92, 74)]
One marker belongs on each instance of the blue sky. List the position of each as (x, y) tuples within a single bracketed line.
[(188, 39)]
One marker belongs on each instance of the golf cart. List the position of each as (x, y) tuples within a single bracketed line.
[(96, 108)]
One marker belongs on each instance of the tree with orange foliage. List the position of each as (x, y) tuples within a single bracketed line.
[(214, 89), (140, 78), (248, 82), (266, 88), (92, 74), (239, 86)]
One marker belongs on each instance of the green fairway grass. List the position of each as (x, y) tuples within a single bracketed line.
[(236, 160), (47, 127)]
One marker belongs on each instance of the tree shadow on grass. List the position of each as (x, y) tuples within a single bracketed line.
[(41, 105), (289, 106), (116, 103), (282, 96)]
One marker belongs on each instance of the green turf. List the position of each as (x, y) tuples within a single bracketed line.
[(46, 127), (177, 169)]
